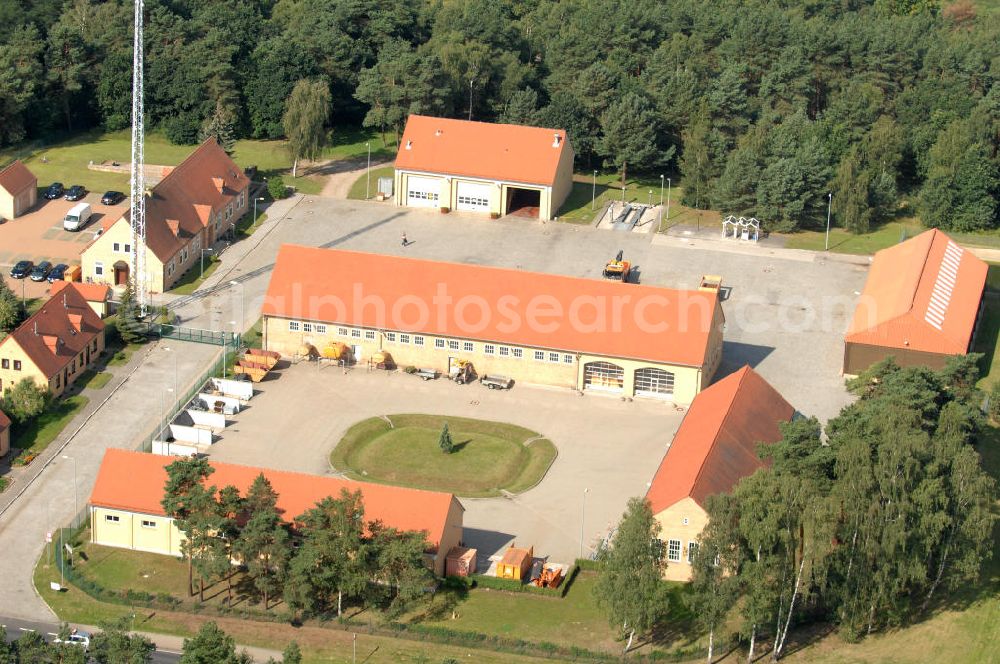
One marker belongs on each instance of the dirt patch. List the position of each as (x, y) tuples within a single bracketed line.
[(341, 174)]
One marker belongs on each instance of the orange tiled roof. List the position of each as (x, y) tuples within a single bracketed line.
[(16, 178), (58, 332), (922, 294), (134, 482), (512, 153), (90, 292), (651, 324), (716, 445)]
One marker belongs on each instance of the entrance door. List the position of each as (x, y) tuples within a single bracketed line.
[(121, 274), (356, 353), (603, 376), (422, 192), (474, 197)]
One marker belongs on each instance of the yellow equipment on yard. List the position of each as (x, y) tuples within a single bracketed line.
[(336, 351), (618, 269), (710, 283)]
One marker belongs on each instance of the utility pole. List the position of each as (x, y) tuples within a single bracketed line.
[(368, 173), (593, 191), (829, 207), (583, 519)]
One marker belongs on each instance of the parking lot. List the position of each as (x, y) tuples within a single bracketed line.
[(607, 446), (39, 235)]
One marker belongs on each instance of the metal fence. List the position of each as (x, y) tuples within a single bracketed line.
[(212, 337)]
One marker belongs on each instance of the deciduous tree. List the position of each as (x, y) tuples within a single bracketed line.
[(305, 119)]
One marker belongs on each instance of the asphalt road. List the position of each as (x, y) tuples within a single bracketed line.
[(16, 628)]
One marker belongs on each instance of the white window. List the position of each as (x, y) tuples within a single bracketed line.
[(404, 338), (468, 346), (489, 349), (342, 331), (307, 327), (146, 523), (692, 551), (452, 344), (112, 518), (553, 357), (517, 352), (674, 550), (439, 343), (369, 335), (356, 333), (320, 329), (390, 336), (567, 359), (540, 355), (418, 341), (293, 326), (98, 269), (504, 351)]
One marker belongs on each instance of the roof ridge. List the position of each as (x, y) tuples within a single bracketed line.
[(923, 266), (722, 425)]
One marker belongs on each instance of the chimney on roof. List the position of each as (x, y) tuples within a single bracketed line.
[(174, 226), (409, 145), (36, 328), (556, 140), (219, 183), (65, 306)]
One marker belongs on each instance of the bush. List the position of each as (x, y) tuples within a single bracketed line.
[(995, 402), (276, 188), (410, 369)]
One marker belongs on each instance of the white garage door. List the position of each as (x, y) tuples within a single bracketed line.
[(474, 197), (422, 192)]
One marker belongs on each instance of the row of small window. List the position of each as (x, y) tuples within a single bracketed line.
[(423, 195), (117, 248), (674, 551), (114, 518), (474, 200), (5, 364)]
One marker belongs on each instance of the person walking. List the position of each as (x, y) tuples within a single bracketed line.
[(405, 241)]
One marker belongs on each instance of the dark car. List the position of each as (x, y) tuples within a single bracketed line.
[(112, 198), (54, 191), (75, 193), (58, 273), (22, 269), (41, 271)]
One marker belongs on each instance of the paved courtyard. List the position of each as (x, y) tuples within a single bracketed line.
[(605, 445)]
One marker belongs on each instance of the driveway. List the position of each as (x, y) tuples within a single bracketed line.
[(343, 174), (610, 447)]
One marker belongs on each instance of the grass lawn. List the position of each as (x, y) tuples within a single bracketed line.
[(986, 339), (93, 380), (122, 354), (845, 242), (39, 432), (360, 186), (247, 226), (488, 456), (193, 278)]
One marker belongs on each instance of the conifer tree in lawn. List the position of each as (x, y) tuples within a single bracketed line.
[(127, 316), (192, 506), (212, 646), (263, 544), (630, 588), (292, 654), (230, 512), (445, 441), (115, 644), (11, 312)]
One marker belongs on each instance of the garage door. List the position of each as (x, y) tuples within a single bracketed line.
[(603, 376), (652, 382), (474, 197), (422, 192)]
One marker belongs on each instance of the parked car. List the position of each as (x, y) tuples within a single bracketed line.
[(77, 637), (22, 269), (58, 273), (75, 193), (54, 191), (112, 198), (41, 271)]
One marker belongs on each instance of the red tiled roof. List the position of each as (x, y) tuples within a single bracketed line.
[(134, 482), (189, 194), (58, 332), (492, 304), (16, 178), (716, 444), (4, 421), (922, 294), (506, 152), (90, 292)]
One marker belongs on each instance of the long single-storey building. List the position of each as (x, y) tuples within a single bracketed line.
[(714, 448), (125, 509), (55, 345), (18, 190), (544, 329), (186, 212), (920, 305), (483, 167)]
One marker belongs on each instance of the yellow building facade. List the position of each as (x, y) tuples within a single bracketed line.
[(108, 259), (16, 365), (680, 527), (131, 530)]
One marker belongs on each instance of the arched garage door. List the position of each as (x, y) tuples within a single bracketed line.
[(652, 382), (422, 192), (603, 376)]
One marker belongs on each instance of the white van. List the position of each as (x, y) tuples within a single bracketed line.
[(77, 217)]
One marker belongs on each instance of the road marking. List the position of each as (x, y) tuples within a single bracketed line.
[(170, 652), (53, 634), (25, 629)]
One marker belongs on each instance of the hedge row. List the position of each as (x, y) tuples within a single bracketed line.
[(515, 586)]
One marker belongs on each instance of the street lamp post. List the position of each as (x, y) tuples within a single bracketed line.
[(368, 173), (76, 493), (209, 250), (829, 207), (583, 519), (668, 200), (255, 199), (243, 303), (593, 191), (174, 355), (650, 201)]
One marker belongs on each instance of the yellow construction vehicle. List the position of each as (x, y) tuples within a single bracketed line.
[(618, 269)]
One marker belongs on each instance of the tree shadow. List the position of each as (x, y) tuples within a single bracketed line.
[(458, 447)]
